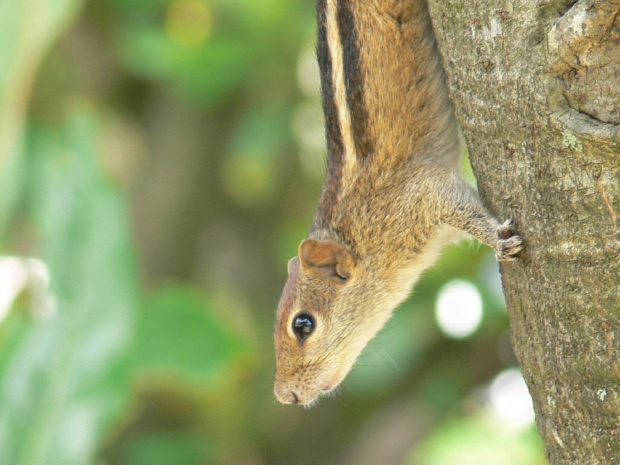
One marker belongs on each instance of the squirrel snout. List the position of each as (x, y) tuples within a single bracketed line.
[(286, 395), (290, 393)]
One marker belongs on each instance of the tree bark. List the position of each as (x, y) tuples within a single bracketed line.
[(536, 87)]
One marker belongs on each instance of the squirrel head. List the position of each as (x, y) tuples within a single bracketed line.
[(325, 318)]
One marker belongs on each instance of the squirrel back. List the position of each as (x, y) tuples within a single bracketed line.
[(384, 95)]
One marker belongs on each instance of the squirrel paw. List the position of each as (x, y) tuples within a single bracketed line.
[(508, 244)]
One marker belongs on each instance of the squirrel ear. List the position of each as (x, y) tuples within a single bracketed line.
[(327, 258)]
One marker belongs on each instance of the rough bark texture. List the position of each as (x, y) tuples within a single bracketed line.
[(536, 87)]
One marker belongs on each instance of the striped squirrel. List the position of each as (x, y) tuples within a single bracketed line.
[(392, 196)]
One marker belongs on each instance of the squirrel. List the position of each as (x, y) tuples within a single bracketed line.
[(392, 197)]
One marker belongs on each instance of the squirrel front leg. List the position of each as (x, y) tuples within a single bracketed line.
[(462, 208)]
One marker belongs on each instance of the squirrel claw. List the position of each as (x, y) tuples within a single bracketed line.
[(508, 245)]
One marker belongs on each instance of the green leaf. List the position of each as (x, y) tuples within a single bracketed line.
[(64, 379), (210, 72), (11, 183), (166, 448), (179, 332)]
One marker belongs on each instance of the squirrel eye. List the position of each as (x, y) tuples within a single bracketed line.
[(303, 325)]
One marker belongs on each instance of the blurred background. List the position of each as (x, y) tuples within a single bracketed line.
[(160, 161)]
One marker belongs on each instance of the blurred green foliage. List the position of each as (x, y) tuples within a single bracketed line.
[(66, 373), (160, 158)]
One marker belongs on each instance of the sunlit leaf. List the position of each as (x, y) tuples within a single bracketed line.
[(65, 378), (27, 29), (477, 440)]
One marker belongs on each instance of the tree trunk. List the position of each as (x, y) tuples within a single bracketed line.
[(536, 87)]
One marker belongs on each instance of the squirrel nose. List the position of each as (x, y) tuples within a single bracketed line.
[(286, 395), (288, 398)]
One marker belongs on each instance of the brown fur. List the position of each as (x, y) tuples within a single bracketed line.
[(392, 197)]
